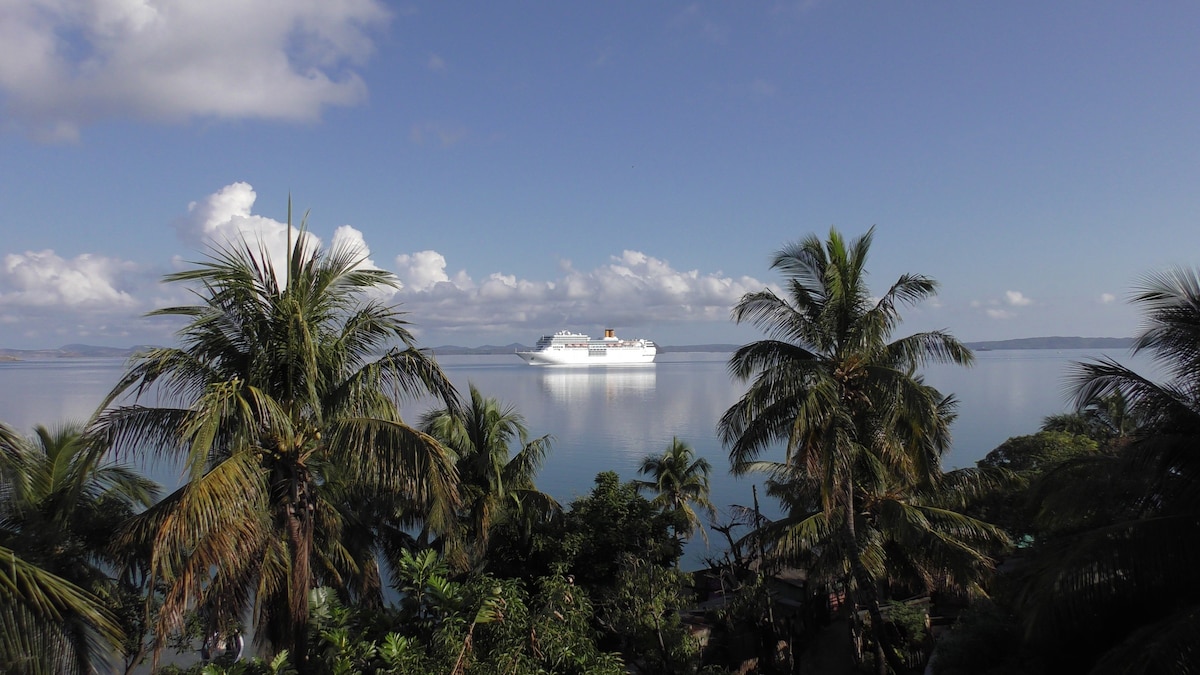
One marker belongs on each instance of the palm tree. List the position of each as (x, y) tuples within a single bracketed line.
[(63, 504), (59, 507), (495, 484), (1107, 420), (1120, 568), (843, 397), (911, 537), (283, 403), (679, 479)]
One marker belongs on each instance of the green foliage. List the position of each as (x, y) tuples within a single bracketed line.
[(1019, 464), (496, 628), (1111, 584), (640, 614), (61, 506), (282, 401), (678, 480), (985, 640), (496, 484), (909, 621), (280, 664), (611, 524), (1031, 456), (862, 433)]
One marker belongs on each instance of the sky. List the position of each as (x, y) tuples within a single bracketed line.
[(524, 167)]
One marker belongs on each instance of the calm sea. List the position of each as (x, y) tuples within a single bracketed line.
[(610, 418)]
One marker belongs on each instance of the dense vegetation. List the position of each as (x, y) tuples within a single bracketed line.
[(340, 538)]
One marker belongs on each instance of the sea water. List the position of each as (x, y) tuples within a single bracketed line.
[(610, 418)]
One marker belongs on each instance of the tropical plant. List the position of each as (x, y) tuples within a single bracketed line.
[(612, 523), (283, 404), (496, 485), (48, 625), (1020, 463), (1105, 419), (640, 613), (1119, 574), (843, 397), (60, 507), (678, 480)]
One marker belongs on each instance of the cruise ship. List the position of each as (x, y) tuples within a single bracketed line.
[(565, 348)]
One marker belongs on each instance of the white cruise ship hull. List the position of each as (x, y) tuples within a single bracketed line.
[(576, 349)]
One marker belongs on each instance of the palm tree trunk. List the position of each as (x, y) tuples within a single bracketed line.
[(868, 596), (301, 531)]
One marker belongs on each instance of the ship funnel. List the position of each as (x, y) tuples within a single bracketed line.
[(608, 333)]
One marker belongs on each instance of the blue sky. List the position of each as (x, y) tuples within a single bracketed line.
[(530, 166)]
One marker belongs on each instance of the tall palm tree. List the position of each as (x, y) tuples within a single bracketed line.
[(59, 508), (679, 480), (911, 537), (1120, 570), (832, 386), (496, 484), (282, 400)]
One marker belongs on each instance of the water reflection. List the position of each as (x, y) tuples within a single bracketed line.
[(609, 418), (585, 385)]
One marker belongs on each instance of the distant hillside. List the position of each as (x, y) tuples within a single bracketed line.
[(1055, 343), (454, 350), (74, 351)]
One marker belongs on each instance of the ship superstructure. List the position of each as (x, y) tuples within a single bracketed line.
[(566, 348)]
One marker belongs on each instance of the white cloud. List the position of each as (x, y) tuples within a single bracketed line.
[(634, 288), (66, 64), (1001, 314), (1107, 298), (223, 220), (1017, 299), (436, 63), (422, 270), (45, 279), (79, 295)]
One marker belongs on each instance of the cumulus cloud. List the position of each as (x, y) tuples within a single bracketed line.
[(224, 220), (633, 288), (47, 300), (1002, 308), (45, 279), (1107, 298), (1017, 299), (66, 64), (422, 270)]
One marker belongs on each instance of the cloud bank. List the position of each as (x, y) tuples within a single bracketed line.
[(64, 65), (632, 289)]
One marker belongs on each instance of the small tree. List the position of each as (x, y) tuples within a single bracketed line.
[(679, 480)]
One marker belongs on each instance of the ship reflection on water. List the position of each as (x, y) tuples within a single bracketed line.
[(583, 385)]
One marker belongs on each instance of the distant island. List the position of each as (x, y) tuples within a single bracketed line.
[(92, 351), (1054, 343), (72, 351)]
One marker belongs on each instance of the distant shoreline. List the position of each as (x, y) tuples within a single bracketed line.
[(90, 351)]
